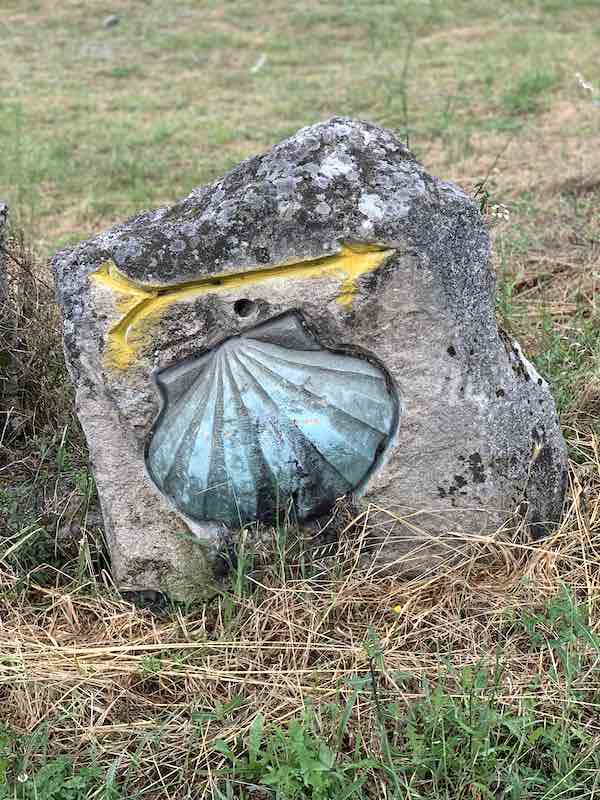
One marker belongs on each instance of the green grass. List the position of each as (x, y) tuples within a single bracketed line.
[(96, 122), (570, 358), (488, 686), (58, 779), (54, 779), (465, 736), (294, 762), (526, 95)]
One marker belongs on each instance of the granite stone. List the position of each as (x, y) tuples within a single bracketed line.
[(379, 262)]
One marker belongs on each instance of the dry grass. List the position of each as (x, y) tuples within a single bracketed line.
[(100, 672), (101, 122), (34, 392), (85, 673), (98, 123)]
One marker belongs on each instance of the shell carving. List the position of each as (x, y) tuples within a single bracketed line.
[(265, 418)]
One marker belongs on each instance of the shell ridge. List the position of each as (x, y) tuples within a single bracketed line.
[(246, 445), (274, 457), (315, 358), (288, 326), (182, 419), (367, 380), (320, 401), (384, 407), (343, 444), (186, 373), (276, 411), (189, 432), (216, 477), (197, 466), (295, 432), (189, 394)]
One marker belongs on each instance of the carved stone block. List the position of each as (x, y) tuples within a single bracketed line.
[(317, 324)]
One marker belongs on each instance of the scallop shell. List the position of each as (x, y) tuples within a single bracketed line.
[(265, 418)]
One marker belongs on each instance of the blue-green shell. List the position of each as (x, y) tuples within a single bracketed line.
[(265, 419)]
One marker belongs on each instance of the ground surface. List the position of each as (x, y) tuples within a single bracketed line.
[(303, 678)]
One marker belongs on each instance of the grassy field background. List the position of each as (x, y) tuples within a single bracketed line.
[(305, 678)]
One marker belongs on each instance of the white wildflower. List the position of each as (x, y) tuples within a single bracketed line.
[(499, 211), (585, 85), (262, 60)]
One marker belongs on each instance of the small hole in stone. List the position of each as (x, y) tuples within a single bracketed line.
[(243, 308)]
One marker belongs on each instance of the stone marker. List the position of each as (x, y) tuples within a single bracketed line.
[(319, 323)]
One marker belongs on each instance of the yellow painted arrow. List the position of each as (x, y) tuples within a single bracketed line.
[(141, 304)]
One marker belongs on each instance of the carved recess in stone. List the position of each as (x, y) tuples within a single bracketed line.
[(265, 418)]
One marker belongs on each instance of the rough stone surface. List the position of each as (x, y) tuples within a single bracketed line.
[(478, 442)]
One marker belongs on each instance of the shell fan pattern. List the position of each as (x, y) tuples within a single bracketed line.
[(266, 418)]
